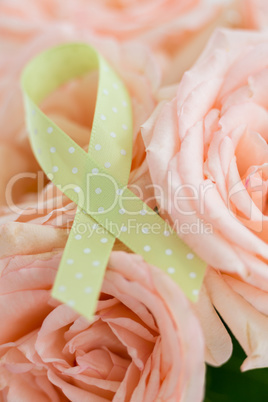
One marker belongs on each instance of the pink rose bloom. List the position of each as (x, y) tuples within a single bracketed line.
[(207, 149), (176, 30), (144, 344)]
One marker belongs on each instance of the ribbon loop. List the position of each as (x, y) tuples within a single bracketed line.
[(97, 182)]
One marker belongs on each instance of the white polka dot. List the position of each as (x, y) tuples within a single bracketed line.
[(95, 170), (55, 169), (104, 240), (123, 152), (71, 303), (143, 212), (121, 211), (50, 130), (166, 233), (171, 270), (100, 209), (95, 226), (70, 261), (123, 228), (87, 250), (114, 109), (112, 134), (119, 191), (103, 117), (124, 126), (168, 251), (98, 147), (74, 170), (105, 91), (88, 289), (39, 151), (79, 275), (33, 112), (62, 288), (35, 131), (190, 256), (147, 248), (195, 292), (52, 150), (95, 263), (77, 189), (78, 237), (192, 275), (107, 165), (98, 190), (71, 150), (115, 85), (124, 103), (145, 230), (105, 68)]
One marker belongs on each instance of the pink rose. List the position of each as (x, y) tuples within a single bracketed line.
[(144, 344), (177, 30), (206, 147)]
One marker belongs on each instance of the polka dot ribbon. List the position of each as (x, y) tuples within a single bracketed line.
[(97, 182)]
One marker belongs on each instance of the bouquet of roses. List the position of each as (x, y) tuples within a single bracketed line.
[(97, 311)]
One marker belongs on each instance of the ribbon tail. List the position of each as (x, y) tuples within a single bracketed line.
[(82, 268)]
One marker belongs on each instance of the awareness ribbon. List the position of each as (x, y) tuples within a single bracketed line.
[(97, 182)]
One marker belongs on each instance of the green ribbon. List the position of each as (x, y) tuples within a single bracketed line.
[(97, 182)]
